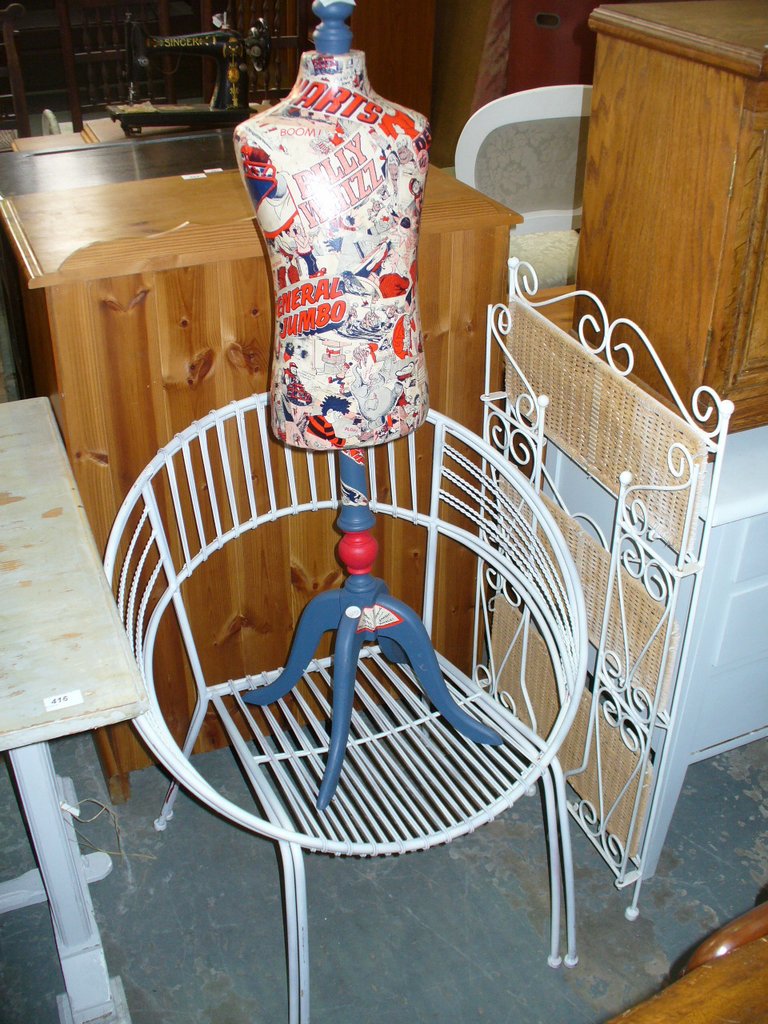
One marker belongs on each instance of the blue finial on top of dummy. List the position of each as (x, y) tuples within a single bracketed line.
[(332, 35)]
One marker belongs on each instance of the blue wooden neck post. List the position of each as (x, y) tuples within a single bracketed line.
[(332, 35)]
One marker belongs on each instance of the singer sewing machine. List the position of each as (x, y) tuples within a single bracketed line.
[(234, 55)]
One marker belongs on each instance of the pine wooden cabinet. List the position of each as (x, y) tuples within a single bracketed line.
[(676, 191), (148, 304)]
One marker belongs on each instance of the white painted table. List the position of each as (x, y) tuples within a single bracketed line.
[(65, 667)]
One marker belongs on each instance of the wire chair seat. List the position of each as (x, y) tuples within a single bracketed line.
[(409, 781)]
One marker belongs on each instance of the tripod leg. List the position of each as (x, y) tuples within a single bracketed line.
[(392, 650), (321, 615), (411, 636), (348, 644)]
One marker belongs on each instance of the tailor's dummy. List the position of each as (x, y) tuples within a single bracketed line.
[(336, 175)]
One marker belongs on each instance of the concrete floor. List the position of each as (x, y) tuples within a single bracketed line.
[(191, 919)]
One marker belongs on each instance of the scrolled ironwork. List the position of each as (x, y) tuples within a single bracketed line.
[(527, 405), (587, 816), (650, 570), (523, 279), (655, 532), (613, 669), (708, 412), (592, 824), (509, 438), (614, 847), (707, 405), (500, 319), (485, 678), (680, 464), (501, 587), (615, 714), (641, 704)]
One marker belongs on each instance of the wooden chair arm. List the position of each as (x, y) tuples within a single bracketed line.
[(730, 988), (750, 926)]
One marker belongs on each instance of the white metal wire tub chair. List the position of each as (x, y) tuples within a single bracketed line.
[(409, 780)]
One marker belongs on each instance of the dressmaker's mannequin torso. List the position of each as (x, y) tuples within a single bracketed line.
[(336, 175)]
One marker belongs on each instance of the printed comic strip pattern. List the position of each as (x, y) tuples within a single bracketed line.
[(336, 176)]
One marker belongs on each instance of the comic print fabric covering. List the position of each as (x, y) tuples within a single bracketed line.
[(336, 176)]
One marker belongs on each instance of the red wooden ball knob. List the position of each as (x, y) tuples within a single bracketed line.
[(358, 552)]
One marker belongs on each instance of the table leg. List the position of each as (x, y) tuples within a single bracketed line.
[(89, 994)]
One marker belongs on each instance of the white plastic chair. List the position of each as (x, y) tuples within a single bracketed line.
[(409, 780), (528, 151)]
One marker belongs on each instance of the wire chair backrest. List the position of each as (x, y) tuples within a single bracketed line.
[(224, 479)]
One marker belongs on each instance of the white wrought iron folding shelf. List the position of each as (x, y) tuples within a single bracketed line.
[(632, 482)]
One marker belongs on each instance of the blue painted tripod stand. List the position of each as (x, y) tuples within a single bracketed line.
[(362, 610)]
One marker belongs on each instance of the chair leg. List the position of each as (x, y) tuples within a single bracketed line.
[(551, 825), (166, 811), (569, 886), (296, 928)]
